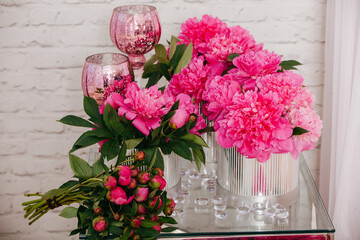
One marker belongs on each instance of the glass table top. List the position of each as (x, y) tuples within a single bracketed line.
[(197, 217)]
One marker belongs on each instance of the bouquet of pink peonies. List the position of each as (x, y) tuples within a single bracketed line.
[(125, 199), (254, 101)]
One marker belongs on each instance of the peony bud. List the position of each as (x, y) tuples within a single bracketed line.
[(141, 209), (110, 182), (179, 119), (134, 171), (97, 210), (132, 184), (118, 196), (157, 182), (157, 227), (192, 118), (142, 194), (99, 224), (136, 222), (116, 216), (153, 217), (143, 177), (168, 211), (139, 155), (124, 175), (153, 201), (170, 203), (158, 171)]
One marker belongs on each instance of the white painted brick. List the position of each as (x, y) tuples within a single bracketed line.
[(12, 17), (13, 185), (12, 60), (24, 37), (43, 15), (11, 146), (6, 205)]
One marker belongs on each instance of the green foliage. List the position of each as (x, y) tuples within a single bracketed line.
[(166, 65), (299, 131), (69, 212), (289, 65), (80, 167)]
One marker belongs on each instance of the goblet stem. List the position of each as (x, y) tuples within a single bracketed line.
[(137, 61)]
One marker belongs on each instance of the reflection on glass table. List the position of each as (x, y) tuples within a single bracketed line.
[(205, 210)]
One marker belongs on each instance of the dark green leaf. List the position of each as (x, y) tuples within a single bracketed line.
[(126, 234), (122, 154), (159, 162), (150, 70), (132, 143), (172, 49), (150, 62), (169, 229), (155, 133), (153, 159), (197, 160), (177, 55), (69, 184), (289, 64), (115, 230), (101, 133), (68, 212), (161, 55), (80, 167), (168, 116), (231, 56), (116, 224), (175, 106), (76, 231), (164, 69), (110, 149), (149, 153), (85, 140), (299, 131), (148, 232), (153, 79), (200, 153), (92, 110), (83, 214), (167, 220), (185, 58), (167, 148), (194, 139), (97, 167), (182, 150), (53, 193), (148, 224), (76, 121), (134, 208)]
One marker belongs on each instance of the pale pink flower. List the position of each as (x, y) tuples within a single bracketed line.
[(110, 182), (254, 124), (99, 224), (142, 194), (124, 175), (306, 118), (143, 177)]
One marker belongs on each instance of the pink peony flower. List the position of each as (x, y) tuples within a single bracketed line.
[(110, 182), (124, 175), (200, 32), (238, 40), (157, 182), (254, 124), (153, 217), (143, 177), (134, 171), (144, 107), (132, 184), (157, 227), (218, 94), (306, 118), (118, 196), (99, 224), (286, 85), (142, 194), (136, 222)]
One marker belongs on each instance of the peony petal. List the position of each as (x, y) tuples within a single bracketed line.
[(141, 126)]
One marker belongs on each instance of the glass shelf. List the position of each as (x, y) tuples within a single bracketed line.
[(307, 216)]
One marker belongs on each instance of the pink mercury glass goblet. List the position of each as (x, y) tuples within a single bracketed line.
[(135, 30), (105, 73)]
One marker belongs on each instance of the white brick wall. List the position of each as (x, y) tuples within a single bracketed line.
[(43, 44)]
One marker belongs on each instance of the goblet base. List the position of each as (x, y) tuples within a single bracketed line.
[(137, 61)]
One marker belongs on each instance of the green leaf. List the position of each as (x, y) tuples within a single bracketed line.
[(150, 62), (175, 106), (110, 149), (153, 159), (126, 234), (159, 162), (150, 70), (76, 231), (85, 140), (169, 229), (161, 55), (76, 121), (111, 119), (200, 153), (92, 110), (101, 133), (134, 208), (80, 167), (289, 64), (182, 150), (197, 160), (117, 224), (53, 193), (69, 184), (132, 143), (148, 224), (153, 79), (155, 133), (167, 148), (83, 214), (172, 49), (194, 139), (167, 220), (148, 232), (164, 69), (115, 230), (149, 153), (179, 51), (299, 131), (69, 212), (122, 154), (231, 56), (97, 167), (185, 58)]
